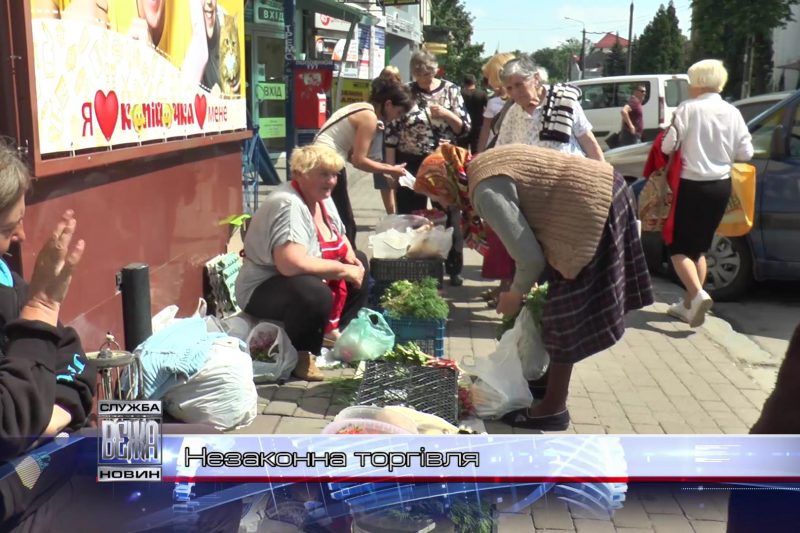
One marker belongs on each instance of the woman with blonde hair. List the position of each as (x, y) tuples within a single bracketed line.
[(299, 267), (491, 71), (711, 134)]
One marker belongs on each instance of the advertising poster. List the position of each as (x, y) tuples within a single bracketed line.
[(122, 72)]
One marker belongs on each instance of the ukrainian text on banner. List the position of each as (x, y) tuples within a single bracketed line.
[(123, 72), (529, 458)]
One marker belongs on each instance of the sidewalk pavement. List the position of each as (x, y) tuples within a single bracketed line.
[(662, 377)]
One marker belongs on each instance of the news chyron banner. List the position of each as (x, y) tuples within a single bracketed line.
[(131, 447), (136, 72)]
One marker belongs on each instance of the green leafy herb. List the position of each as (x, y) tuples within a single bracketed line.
[(407, 354), (410, 299), (534, 302)]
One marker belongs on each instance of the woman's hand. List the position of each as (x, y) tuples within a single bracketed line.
[(54, 266), (396, 171), (354, 274), (509, 302)]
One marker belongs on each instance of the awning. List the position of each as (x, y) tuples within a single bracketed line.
[(339, 10)]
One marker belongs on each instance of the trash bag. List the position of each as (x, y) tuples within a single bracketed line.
[(390, 244), (365, 338), (272, 352), (401, 223), (530, 347), (435, 242), (221, 394), (500, 387)]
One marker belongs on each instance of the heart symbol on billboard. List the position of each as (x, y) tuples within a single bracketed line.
[(200, 109), (106, 109)]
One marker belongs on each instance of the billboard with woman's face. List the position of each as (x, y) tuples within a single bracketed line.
[(112, 73)]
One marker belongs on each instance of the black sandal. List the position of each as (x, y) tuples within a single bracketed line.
[(554, 422)]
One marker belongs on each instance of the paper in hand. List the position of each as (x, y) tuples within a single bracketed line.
[(407, 180)]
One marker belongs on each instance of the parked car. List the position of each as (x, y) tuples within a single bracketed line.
[(772, 249), (602, 100)]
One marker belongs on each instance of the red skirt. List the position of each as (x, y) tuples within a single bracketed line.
[(497, 263)]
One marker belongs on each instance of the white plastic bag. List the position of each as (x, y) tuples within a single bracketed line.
[(500, 387), (221, 394), (401, 223), (435, 242), (530, 346), (273, 355), (390, 244)]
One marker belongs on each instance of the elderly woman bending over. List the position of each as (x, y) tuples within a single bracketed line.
[(574, 216), (299, 267)]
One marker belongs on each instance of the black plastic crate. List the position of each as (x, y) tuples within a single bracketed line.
[(428, 333), (390, 270), (428, 390)]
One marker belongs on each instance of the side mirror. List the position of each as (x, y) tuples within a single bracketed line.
[(777, 145)]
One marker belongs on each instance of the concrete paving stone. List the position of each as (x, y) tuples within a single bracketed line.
[(715, 406), (603, 397), (726, 419), (698, 505), (348, 372), (735, 430), (676, 428), (280, 407), (731, 395), (713, 376), (597, 384), (648, 429), (312, 407), (584, 415), (708, 526), (658, 500), (300, 426), (263, 424), (267, 391), (756, 397), (515, 523), (583, 525), (673, 388), (609, 409), (670, 523), (322, 390), (550, 513), (701, 419), (748, 415), (634, 530), (495, 427), (688, 405), (296, 383), (334, 410), (642, 418), (288, 394), (593, 429), (631, 515)]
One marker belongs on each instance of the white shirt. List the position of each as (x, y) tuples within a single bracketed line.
[(712, 135), (521, 127), (493, 107)]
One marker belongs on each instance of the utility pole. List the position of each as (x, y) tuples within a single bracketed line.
[(630, 41), (583, 45)]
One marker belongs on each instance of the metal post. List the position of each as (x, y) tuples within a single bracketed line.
[(338, 96), (289, 8), (630, 41), (583, 51), (134, 283)]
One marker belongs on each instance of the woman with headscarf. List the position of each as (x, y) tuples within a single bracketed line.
[(574, 217)]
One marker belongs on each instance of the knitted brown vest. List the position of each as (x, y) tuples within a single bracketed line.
[(565, 198)]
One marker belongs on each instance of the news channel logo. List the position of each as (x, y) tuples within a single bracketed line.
[(130, 440)]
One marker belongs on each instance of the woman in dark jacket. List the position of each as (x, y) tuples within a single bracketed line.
[(46, 382)]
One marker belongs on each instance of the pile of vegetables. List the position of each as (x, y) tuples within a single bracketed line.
[(264, 348), (415, 299), (534, 302), (408, 354)]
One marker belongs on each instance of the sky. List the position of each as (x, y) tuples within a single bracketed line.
[(529, 25)]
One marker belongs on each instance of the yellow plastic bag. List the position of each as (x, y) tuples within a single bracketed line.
[(740, 213)]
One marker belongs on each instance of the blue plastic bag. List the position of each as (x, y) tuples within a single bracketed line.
[(366, 338)]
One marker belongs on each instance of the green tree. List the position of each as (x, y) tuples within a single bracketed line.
[(729, 29), (463, 57), (616, 61), (660, 48), (558, 60)]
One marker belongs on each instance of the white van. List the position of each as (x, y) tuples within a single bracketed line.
[(603, 99)]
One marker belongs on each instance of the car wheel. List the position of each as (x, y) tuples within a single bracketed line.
[(730, 268)]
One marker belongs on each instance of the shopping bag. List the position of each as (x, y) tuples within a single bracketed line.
[(273, 355), (221, 394), (530, 347), (366, 338), (655, 201), (501, 386), (740, 212)]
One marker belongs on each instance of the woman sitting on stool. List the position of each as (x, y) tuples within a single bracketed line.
[(299, 267)]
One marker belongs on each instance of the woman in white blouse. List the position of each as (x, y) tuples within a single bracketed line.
[(711, 135)]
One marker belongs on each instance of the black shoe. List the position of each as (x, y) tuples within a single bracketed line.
[(456, 280), (520, 419)]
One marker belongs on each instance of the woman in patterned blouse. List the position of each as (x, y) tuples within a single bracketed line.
[(439, 117)]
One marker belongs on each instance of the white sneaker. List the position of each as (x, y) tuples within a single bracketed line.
[(700, 305), (679, 311)]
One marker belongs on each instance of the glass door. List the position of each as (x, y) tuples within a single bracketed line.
[(267, 97)]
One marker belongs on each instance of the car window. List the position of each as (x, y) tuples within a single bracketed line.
[(762, 133), (597, 96), (676, 91), (625, 90), (749, 111)]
